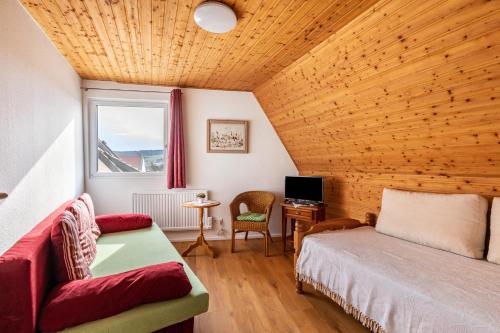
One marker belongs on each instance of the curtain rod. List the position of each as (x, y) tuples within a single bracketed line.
[(132, 90)]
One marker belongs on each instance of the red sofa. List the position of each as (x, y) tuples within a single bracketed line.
[(26, 276)]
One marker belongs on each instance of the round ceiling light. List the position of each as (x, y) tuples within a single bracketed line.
[(215, 17)]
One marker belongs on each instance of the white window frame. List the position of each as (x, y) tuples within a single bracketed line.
[(93, 104)]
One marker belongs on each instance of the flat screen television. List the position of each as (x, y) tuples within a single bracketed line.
[(305, 189)]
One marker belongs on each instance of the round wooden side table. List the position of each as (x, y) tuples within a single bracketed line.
[(200, 241)]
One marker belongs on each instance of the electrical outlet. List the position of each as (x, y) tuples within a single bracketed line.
[(218, 226)]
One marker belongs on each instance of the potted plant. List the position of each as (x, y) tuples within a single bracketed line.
[(200, 197)]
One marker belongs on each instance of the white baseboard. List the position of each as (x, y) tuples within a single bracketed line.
[(214, 237)]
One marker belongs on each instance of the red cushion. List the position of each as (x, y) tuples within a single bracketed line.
[(123, 222), (25, 277), (81, 301)]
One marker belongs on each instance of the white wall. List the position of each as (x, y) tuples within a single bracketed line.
[(41, 154), (224, 175)]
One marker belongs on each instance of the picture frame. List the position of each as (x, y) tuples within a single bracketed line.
[(227, 136)]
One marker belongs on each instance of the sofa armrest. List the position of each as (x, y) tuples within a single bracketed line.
[(303, 229), (122, 222)]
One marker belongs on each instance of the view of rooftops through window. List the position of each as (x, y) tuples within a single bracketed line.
[(130, 139)]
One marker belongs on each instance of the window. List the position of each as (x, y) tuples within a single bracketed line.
[(128, 137)]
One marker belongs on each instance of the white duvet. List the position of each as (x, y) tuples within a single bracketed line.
[(402, 286)]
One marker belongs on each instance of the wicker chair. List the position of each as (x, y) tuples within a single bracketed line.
[(258, 202)]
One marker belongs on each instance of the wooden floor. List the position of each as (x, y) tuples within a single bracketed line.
[(252, 293)]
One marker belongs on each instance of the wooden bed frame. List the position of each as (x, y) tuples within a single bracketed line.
[(303, 229)]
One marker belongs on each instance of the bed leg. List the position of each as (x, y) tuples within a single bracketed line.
[(298, 287), (300, 228), (371, 219)]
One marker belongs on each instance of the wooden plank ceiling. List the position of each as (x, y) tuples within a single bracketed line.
[(406, 96), (157, 42)]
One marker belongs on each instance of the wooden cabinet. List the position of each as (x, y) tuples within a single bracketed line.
[(299, 214), (309, 214)]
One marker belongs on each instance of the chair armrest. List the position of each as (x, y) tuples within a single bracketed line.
[(122, 222), (268, 213), (234, 208)]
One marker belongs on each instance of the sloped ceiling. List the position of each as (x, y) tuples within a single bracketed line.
[(407, 96), (157, 42)]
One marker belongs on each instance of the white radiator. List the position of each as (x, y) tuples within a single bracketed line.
[(166, 209)]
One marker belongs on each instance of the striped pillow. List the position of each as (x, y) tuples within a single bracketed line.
[(85, 235), (85, 197), (70, 262)]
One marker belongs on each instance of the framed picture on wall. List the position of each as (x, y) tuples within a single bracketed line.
[(227, 136)]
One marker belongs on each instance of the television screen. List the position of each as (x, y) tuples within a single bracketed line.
[(304, 188)]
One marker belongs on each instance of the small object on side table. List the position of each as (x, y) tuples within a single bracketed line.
[(311, 214), (200, 197), (200, 241)]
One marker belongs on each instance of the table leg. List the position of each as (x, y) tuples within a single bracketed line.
[(192, 246), (200, 241), (283, 230), (209, 248)]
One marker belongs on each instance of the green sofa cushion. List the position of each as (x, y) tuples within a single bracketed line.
[(123, 251), (253, 217)]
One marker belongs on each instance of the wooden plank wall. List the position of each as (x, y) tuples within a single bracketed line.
[(406, 96)]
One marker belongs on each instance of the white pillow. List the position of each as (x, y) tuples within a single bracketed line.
[(450, 222), (494, 247)]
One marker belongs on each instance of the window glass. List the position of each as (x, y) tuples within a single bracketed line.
[(130, 139)]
